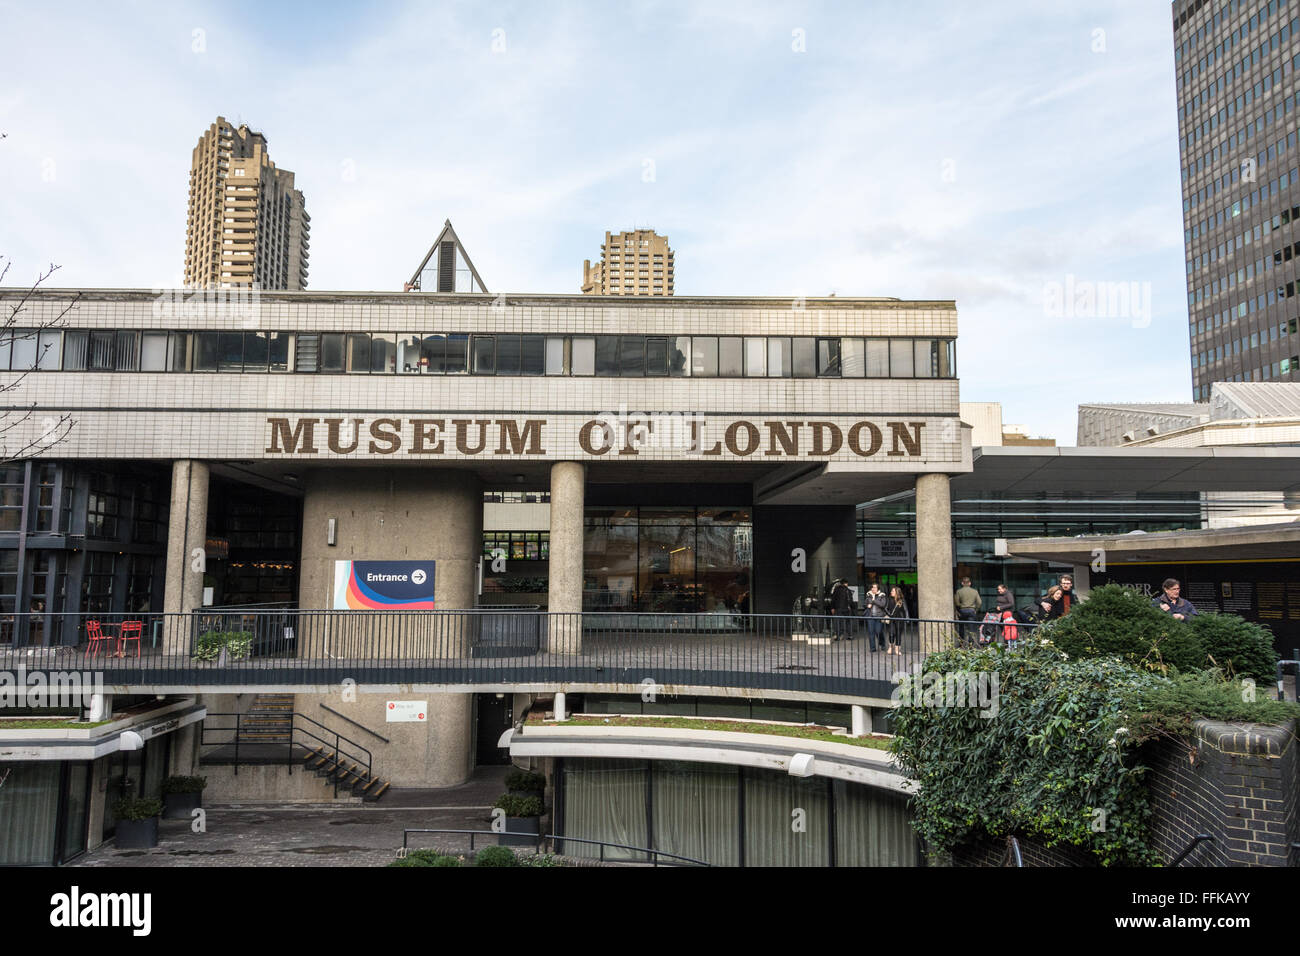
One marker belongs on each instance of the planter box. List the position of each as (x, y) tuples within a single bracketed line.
[(136, 834), (178, 806), (532, 825)]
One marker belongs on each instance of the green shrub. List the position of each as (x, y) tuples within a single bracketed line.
[(177, 784), (426, 858), (446, 860), (542, 859), (524, 781), (1054, 760), (496, 856), (519, 805), (136, 808), (1236, 645), (208, 645), (1119, 621), (1172, 706)]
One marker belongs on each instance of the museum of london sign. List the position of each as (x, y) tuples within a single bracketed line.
[(613, 436)]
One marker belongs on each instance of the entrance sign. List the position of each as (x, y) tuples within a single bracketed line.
[(407, 711), (384, 585), (889, 552)]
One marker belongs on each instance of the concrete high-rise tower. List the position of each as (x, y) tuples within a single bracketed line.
[(1236, 68), (248, 225), (631, 263)]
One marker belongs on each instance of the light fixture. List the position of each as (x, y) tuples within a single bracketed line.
[(801, 765), (332, 531)]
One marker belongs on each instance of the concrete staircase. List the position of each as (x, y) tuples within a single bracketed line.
[(268, 721)]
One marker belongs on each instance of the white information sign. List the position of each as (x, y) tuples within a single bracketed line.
[(406, 711)]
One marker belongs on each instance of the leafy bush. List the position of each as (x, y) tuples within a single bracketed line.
[(496, 856), (136, 808), (1236, 645), (524, 781), (178, 784), (208, 646), (1051, 763), (1120, 621), (542, 859), (426, 858), (1172, 706), (518, 805)]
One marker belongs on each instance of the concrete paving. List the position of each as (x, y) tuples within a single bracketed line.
[(350, 835)]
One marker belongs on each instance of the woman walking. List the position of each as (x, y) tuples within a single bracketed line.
[(895, 614)]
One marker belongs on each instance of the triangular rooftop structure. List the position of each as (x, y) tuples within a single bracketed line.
[(446, 267)]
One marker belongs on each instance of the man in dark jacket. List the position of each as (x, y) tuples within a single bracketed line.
[(841, 608), (1172, 602), (873, 609)]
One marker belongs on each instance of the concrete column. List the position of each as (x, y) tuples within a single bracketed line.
[(560, 713), (1082, 580), (933, 556), (861, 723), (564, 588), (187, 535)]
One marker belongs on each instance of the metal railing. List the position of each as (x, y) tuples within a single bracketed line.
[(304, 738), (289, 647), (547, 843)]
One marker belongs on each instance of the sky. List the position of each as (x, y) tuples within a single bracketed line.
[(1014, 156)]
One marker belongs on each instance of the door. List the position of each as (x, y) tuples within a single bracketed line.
[(494, 713)]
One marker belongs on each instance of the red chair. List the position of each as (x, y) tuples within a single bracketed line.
[(97, 639), (130, 631)]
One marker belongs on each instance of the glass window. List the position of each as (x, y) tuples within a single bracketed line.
[(583, 360), (484, 353), (606, 355), (554, 355), (900, 358), (778, 357), (828, 357), (948, 359), (433, 354), (877, 358), (205, 351), (358, 351), (49, 350), (631, 357), (6, 346), (332, 346), (756, 357), (532, 354), (679, 355), (927, 358), (127, 358), (257, 348), (656, 355), (508, 360), (24, 348), (279, 350), (408, 353), (75, 345), (153, 352), (803, 357), (852, 358), (731, 356), (383, 352), (230, 351), (704, 356)]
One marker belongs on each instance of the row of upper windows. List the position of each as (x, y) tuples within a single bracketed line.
[(1244, 204), (1254, 124), (700, 356), (1211, 157), (1242, 240), (1230, 42)]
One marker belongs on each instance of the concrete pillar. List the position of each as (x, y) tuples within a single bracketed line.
[(1082, 581), (560, 713), (187, 536), (564, 588), (861, 723), (933, 557)]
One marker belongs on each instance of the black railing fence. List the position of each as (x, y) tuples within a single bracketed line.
[(651, 651)]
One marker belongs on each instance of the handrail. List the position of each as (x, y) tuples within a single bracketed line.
[(355, 722), (1196, 841), (655, 854), (1013, 853), (338, 740)]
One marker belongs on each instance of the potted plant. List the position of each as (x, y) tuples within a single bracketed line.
[(525, 783), (137, 823), (523, 816), (182, 796)]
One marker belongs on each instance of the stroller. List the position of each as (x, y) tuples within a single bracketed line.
[(995, 626)]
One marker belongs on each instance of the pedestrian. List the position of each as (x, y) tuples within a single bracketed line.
[(1172, 602), (1065, 598), (968, 604), (896, 613), (1006, 609), (841, 597), (874, 611)]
